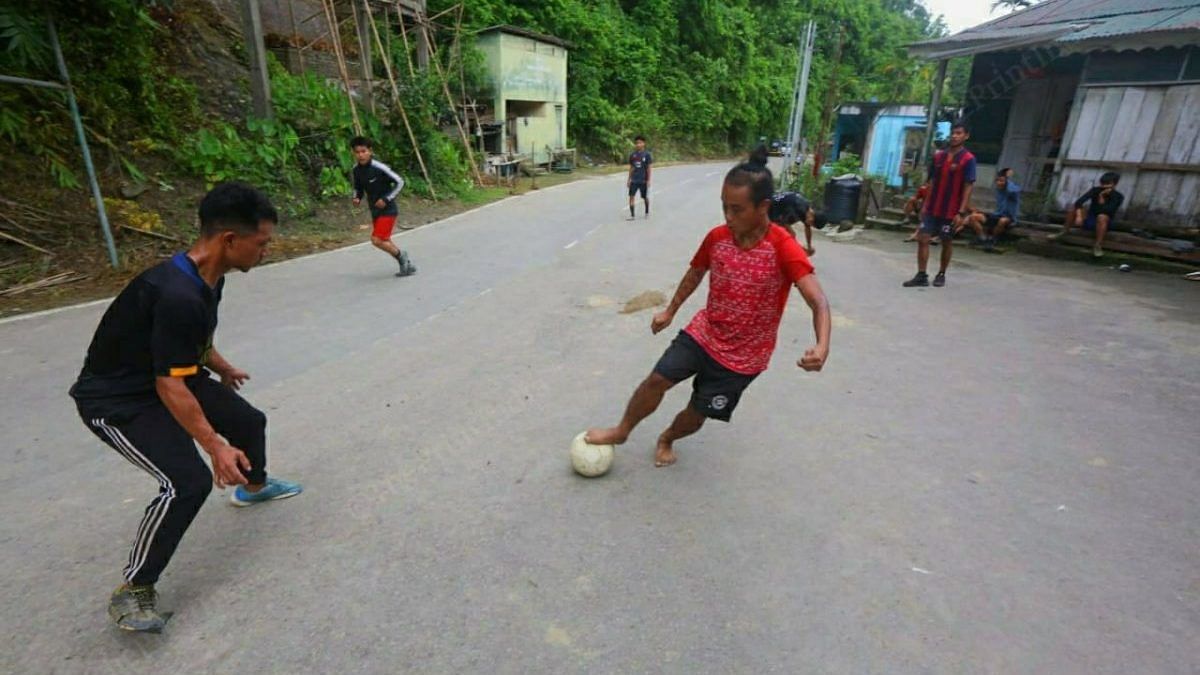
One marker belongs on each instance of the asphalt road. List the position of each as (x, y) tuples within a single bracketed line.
[(998, 476)]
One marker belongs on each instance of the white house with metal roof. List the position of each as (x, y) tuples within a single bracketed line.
[(1068, 89)]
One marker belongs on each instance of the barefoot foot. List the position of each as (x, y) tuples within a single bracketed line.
[(612, 436), (664, 456)]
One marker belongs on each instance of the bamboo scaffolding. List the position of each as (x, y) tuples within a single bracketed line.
[(364, 58), (407, 49), (387, 66), (456, 52), (436, 61), (440, 14), (295, 36), (331, 18)]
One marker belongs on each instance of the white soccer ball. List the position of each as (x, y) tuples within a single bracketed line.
[(590, 460)]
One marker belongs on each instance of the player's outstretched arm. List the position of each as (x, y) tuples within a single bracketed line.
[(691, 280), (810, 289)]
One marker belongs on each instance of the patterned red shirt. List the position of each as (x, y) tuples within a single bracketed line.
[(948, 178), (747, 291)]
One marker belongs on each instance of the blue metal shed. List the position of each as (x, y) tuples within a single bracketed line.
[(890, 141), (886, 136)]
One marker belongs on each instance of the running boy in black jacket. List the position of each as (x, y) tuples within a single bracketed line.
[(380, 185)]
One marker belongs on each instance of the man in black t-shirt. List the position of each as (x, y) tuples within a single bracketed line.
[(1102, 202), (145, 390), (638, 179), (789, 208)]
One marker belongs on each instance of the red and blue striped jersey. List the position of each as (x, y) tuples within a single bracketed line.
[(948, 178)]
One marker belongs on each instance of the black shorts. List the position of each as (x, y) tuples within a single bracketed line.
[(716, 389), (992, 221), (635, 188), (942, 228)]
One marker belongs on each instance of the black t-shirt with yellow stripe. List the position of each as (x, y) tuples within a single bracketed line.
[(161, 324)]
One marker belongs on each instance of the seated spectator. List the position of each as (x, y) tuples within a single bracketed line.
[(1103, 202), (990, 227), (912, 209)]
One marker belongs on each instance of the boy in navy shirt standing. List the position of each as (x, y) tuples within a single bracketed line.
[(638, 179)]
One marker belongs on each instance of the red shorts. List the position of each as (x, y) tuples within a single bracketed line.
[(383, 227)]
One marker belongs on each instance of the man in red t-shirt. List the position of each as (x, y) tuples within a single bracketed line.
[(754, 264), (951, 181)]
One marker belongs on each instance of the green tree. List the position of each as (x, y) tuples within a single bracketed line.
[(710, 75)]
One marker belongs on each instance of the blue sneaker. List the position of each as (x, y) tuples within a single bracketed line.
[(276, 488)]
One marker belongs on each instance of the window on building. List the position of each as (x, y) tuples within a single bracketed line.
[(1191, 71), (987, 121), (1148, 65)]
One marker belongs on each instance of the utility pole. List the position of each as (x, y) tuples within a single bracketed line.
[(260, 78), (832, 95), (77, 120), (799, 98), (935, 104)]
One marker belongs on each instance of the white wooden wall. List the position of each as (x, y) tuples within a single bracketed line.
[(1152, 125), (1038, 106)]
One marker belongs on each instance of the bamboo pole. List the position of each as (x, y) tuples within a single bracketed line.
[(387, 66), (436, 61), (155, 235), (462, 76), (440, 14), (295, 36), (387, 31), (364, 58), (331, 18), (67, 277), (456, 52), (18, 240), (407, 49)]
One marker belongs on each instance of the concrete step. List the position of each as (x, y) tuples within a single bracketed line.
[(892, 212), (1115, 242), (887, 224), (1035, 227), (1038, 245)]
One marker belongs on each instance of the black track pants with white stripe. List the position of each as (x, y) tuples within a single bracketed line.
[(153, 441)]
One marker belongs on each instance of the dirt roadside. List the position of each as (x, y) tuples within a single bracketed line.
[(168, 211)]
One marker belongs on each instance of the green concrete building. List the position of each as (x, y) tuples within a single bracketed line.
[(528, 88)]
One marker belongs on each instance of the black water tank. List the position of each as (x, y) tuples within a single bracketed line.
[(841, 199)]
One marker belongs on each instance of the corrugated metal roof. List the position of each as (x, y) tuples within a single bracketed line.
[(1076, 21), (1074, 11), (525, 32), (1143, 22)]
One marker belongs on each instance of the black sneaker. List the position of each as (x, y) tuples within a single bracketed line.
[(134, 608), (940, 279), (921, 279)]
